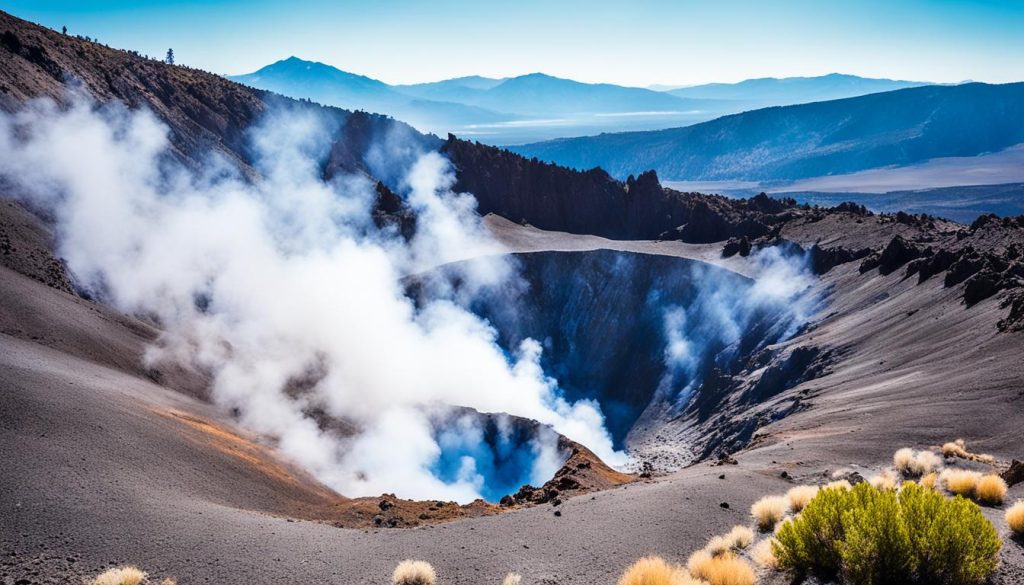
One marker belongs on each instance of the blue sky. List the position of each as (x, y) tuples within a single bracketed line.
[(639, 42)]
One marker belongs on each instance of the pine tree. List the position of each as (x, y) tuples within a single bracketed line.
[(169, 59)]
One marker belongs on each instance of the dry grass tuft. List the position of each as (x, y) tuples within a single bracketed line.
[(698, 561), (736, 539), (740, 536), (955, 448), (721, 570), (839, 483), (411, 572), (120, 576), (904, 460), (800, 496), (654, 571), (512, 579), (1015, 518), (929, 481), (958, 448), (768, 511), (764, 555), (991, 489), (883, 481), (960, 482)]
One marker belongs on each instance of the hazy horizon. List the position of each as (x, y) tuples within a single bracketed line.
[(653, 42)]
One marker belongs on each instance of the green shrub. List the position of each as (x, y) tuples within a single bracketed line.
[(876, 537), (810, 543)]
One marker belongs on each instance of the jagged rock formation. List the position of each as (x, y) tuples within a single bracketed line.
[(551, 197)]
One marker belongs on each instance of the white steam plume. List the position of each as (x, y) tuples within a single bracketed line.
[(722, 313), (267, 283)]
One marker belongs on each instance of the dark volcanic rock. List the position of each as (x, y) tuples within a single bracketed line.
[(1014, 321), (550, 197), (929, 266), (735, 246), (1014, 474), (825, 259), (967, 265), (390, 211), (896, 254), (870, 263), (982, 285)]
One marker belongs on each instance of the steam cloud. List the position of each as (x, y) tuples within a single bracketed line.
[(779, 301), (289, 279)]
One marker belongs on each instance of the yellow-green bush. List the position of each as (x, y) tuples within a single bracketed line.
[(872, 536)]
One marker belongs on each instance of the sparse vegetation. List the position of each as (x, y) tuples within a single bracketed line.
[(929, 481), (768, 511), (763, 554), (655, 571), (870, 535), (1015, 518), (958, 448), (725, 569), (912, 463), (840, 484), (800, 496), (121, 576), (960, 482), (410, 572), (125, 576), (991, 489), (883, 481), (736, 539)]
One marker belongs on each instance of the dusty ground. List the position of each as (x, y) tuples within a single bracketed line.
[(102, 465)]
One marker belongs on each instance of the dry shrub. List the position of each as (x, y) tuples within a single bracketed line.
[(910, 463), (958, 448), (410, 572), (883, 481), (512, 579), (120, 576), (724, 569), (1015, 518), (991, 489), (927, 462), (800, 496), (763, 554), (904, 460), (656, 571), (929, 481), (955, 448), (768, 511), (738, 538), (960, 482), (839, 484)]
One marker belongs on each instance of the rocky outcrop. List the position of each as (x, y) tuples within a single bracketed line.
[(547, 196), (896, 254), (825, 259), (1014, 474), (582, 472)]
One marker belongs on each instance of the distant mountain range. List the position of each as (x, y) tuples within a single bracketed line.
[(538, 106), (823, 138), (771, 91)]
